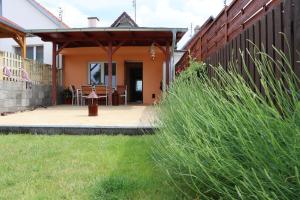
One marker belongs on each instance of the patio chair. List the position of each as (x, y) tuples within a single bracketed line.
[(122, 91), (75, 99), (102, 92), (85, 91)]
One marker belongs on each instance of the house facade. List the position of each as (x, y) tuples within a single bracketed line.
[(29, 14)]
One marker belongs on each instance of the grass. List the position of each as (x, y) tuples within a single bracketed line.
[(80, 167), (220, 138)]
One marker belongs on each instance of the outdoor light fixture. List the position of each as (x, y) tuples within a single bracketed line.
[(152, 51)]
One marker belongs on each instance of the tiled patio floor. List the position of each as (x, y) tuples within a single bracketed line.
[(116, 116)]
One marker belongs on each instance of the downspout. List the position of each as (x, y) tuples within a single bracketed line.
[(172, 70)]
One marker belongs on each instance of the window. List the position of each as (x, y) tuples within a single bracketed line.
[(32, 52), (18, 51), (39, 56), (98, 74), (29, 53), (139, 86)]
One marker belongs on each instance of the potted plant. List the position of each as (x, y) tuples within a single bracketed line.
[(67, 96)]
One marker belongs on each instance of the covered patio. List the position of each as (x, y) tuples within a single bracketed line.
[(118, 49)]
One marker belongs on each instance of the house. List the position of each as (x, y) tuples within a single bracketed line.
[(29, 14), (142, 58)]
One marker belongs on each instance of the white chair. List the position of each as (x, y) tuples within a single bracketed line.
[(102, 92), (85, 91), (122, 91), (74, 94)]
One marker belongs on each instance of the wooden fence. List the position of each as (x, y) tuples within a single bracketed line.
[(13, 68), (258, 21)]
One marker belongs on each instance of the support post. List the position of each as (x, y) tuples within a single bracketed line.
[(110, 52), (23, 48), (172, 66), (21, 40), (164, 82), (54, 82), (167, 56)]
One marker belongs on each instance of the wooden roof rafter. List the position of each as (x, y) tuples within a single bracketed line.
[(9, 29)]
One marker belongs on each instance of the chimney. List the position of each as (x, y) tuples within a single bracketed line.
[(92, 22), (197, 29)]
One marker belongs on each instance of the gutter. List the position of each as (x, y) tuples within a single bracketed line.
[(104, 29)]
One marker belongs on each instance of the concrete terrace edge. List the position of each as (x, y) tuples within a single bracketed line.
[(78, 130)]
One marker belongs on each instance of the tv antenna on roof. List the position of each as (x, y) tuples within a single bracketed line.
[(225, 2), (60, 13), (134, 7)]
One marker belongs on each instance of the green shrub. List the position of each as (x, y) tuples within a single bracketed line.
[(220, 138)]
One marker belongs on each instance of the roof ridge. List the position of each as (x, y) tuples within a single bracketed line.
[(45, 11), (119, 18)]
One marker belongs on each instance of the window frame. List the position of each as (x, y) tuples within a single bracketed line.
[(34, 50), (102, 63)]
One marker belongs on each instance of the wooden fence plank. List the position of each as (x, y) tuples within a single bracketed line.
[(251, 52), (243, 50), (257, 47), (297, 36), (239, 63), (287, 27), (271, 36), (278, 29)]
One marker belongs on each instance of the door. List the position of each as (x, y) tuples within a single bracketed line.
[(134, 81)]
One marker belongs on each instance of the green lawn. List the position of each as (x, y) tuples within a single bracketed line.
[(80, 167)]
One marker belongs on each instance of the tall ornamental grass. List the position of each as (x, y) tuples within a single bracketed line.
[(221, 138)]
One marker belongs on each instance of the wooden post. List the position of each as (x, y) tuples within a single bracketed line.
[(109, 52), (54, 82), (23, 48)]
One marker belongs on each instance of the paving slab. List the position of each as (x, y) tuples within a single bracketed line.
[(73, 119)]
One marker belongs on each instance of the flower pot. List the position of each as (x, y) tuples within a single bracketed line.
[(68, 101), (93, 109)]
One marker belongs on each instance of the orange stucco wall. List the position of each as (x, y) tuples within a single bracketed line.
[(75, 69)]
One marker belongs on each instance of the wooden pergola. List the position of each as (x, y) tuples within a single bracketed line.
[(110, 40), (9, 29)]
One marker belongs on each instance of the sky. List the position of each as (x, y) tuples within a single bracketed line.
[(150, 13)]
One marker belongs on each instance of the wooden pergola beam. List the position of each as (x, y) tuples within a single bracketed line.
[(18, 36), (62, 47), (161, 48), (21, 40), (101, 45), (116, 39), (115, 49)]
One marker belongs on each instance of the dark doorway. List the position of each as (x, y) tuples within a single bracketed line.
[(134, 81)]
